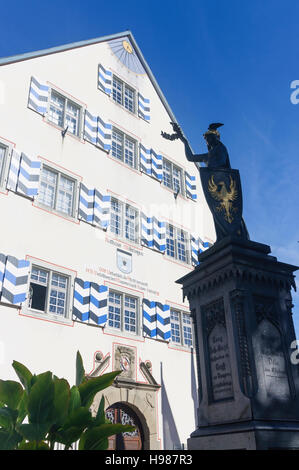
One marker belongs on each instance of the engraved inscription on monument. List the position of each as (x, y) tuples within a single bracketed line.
[(221, 378), (273, 360)]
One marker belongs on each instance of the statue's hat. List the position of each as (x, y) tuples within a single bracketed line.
[(213, 129)]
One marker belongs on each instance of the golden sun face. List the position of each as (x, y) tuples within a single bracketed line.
[(127, 46), (126, 54)]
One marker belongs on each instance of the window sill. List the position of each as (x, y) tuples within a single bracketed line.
[(177, 261), (28, 312), (61, 129), (180, 347), (122, 334), (62, 215)]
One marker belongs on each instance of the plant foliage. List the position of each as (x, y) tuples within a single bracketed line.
[(43, 410)]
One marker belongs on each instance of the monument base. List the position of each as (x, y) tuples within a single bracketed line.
[(249, 435), (248, 385)]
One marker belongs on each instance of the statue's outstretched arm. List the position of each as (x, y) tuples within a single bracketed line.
[(179, 135)]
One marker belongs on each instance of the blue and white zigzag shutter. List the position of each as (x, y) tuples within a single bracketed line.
[(163, 321), (98, 304), (194, 250), (145, 160), (143, 107), (14, 288), (86, 204), (101, 214), (146, 231), (149, 318), (159, 235), (90, 127), (104, 79), (38, 96), (157, 165), (81, 300), (2, 270), (104, 135), (28, 180), (190, 186), (14, 169)]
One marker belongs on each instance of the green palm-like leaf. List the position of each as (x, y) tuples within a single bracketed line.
[(93, 438), (33, 446), (9, 440), (80, 372), (10, 393), (75, 399), (24, 374), (40, 400), (94, 385), (61, 401), (34, 431), (8, 418)]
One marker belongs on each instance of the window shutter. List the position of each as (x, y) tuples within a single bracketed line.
[(98, 304), (86, 204), (149, 318), (29, 174), (157, 165), (163, 321), (2, 270), (146, 231), (190, 186), (194, 250), (159, 235), (104, 80), (38, 96), (143, 107), (101, 214), (81, 300), (90, 127), (104, 134), (14, 288), (14, 169), (145, 160)]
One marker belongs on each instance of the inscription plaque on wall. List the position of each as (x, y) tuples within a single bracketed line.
[(273, 360), (221, 377)]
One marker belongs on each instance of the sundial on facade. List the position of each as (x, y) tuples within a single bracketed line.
[(126, 54)]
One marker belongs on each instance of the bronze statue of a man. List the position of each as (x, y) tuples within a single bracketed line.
[(221, 184)]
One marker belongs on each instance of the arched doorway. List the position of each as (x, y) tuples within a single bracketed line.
[(121, 413)]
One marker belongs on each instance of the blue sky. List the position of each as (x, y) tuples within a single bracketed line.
[(215, 61)]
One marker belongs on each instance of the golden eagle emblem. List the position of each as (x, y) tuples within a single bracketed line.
[(224, 196)]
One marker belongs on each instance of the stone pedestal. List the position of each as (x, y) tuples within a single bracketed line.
[(241, 305)]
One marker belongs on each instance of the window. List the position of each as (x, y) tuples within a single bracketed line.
[(64, 113), (48, 292), (124, 220), (181, 328), (172, 176), (123, 94), (177, 243), (56, 191), (123, 148), (123, 312), (3, 161)]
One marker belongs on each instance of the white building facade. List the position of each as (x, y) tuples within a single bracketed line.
[(99, 217)]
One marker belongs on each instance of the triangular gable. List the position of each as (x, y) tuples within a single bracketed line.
[(126, 54), (137, 60)]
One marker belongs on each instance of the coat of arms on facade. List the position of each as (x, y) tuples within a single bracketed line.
[(124, 261), (125, 360)]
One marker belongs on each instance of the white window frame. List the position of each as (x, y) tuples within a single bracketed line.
[(182, 342), (124, 136), (124, 87), (176, 241), (46, 314), (173, 186), (122, 329), (5, 164), (67, 100), (60, 173), (123, 217)]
